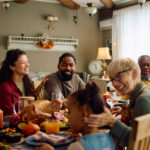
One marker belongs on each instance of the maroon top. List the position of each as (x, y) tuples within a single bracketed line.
[(9, 93)]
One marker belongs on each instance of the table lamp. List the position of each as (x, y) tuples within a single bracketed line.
[(103, 55)]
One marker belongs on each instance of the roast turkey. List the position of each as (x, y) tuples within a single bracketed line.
[(40, 110)]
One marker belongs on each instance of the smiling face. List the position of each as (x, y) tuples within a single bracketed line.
[(145, 66), (124, 74), (75, 115), (67, 65), (126, 83), (21, 66)]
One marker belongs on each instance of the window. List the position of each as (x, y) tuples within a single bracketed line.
[(131, 32)]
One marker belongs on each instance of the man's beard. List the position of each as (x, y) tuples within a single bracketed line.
[(65, 77)]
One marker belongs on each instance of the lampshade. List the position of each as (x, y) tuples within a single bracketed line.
[(103, 53), (50, 18)]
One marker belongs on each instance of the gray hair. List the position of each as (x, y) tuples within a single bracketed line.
[(142, 57), (122, 64)]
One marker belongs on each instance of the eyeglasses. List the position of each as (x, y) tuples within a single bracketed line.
[(118, 75)]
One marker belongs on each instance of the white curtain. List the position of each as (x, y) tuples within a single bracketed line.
[(131, 32)]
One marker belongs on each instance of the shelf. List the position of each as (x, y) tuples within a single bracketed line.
[(30, 43)]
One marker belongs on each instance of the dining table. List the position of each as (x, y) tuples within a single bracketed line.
[(25, 146), (22, 145)]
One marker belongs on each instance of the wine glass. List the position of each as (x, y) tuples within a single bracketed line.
[(111, 102), (18, 106), (56, 96)]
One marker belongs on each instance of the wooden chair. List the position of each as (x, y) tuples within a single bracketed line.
[(140, 136), (41, 94), (147, 83)]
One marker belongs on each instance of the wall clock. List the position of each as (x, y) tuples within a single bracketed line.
[(95, 67)]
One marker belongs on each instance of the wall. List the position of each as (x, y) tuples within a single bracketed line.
[(30, 19), (107, 35)]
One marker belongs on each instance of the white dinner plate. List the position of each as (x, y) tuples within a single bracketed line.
[(29, 140)]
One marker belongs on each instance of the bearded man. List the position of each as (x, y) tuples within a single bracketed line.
[(64, 81)]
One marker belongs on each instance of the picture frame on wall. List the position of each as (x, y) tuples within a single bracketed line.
[(109, 43)]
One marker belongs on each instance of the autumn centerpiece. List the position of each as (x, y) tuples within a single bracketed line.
[(45, 45)]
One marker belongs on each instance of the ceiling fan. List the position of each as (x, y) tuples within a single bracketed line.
[(108, 3), (6, 5), (70, 4), (73, 5), (18, 1), (21, 1)]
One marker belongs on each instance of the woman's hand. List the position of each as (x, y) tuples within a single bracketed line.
[(116, 110), (44, 146), (99, 120), (38, 89)]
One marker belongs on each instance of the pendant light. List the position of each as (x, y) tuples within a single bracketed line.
[(91, 10)]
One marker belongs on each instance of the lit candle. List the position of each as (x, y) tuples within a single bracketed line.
[(1, 119)]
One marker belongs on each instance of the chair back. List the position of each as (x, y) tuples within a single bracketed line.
[(140, 135), (147, 83), (41, 93)]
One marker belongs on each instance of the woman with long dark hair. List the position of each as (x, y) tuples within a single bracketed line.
[(14, 80)]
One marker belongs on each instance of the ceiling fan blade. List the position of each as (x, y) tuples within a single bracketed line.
[(70, 4), (107, 3), (21, 1)]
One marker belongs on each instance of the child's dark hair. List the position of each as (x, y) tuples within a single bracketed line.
[(91, 96)]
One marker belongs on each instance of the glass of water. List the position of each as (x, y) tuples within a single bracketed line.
[(56, 96)]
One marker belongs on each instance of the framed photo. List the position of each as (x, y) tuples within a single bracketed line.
[(109, 44)]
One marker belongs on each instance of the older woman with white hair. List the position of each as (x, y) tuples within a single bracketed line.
[(125, 76)]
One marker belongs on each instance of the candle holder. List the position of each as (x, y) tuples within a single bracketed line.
[(51, 22)]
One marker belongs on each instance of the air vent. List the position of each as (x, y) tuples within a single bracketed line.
[(31, 43)]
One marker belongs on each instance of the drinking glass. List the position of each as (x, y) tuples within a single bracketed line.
[(106, 96), (56, 96), (111, 102), (19, 105), (52, 127)]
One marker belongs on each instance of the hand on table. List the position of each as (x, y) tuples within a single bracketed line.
[(44, 146), (99, 120)]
